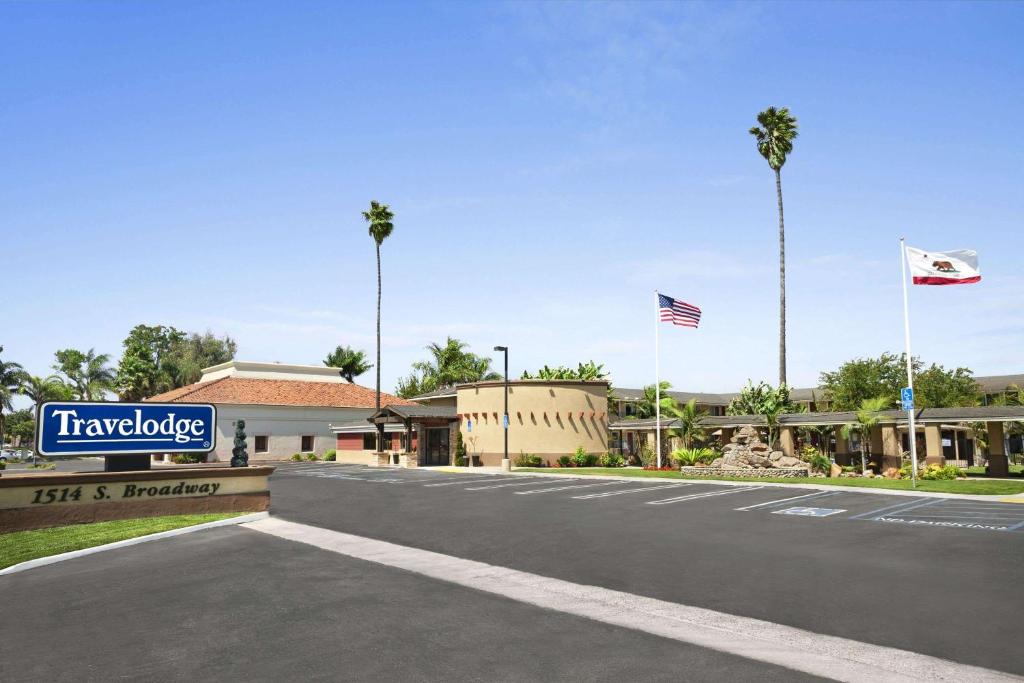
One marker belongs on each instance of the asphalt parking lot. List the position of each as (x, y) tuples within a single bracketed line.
[(233, 603), (762, 552)]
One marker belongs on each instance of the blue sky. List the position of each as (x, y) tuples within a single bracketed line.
[(204, 165)]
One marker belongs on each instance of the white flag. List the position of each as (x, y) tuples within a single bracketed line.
[(958, 267)]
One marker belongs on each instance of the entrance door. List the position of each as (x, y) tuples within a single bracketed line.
[(437, 446)]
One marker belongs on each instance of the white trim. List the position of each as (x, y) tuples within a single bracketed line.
[(42, 561)]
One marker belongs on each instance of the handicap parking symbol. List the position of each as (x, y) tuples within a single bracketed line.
[(809, 512)]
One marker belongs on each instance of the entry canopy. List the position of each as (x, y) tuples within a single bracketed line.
[(921, 416), (401, 413)]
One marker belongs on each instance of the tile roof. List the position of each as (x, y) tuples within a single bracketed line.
[(278, 392)]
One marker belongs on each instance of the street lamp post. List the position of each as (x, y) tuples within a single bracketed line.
[(506, 466)]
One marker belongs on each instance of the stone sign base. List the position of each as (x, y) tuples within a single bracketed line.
[(751, 472), (33, 501)]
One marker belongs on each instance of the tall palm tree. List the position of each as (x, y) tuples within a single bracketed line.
[(88, 373), (11, 376), (379, 217), (350, 362), (39, 390), (867, 417), (775, 135)]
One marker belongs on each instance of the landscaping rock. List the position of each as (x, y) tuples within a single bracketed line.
[(835, 471)]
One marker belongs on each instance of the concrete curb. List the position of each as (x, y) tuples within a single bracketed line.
[(53, 559), (1006, 498)]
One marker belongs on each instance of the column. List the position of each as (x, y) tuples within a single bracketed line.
[(727, 433), (892, 447), (787, 440), (998, 464), (933, 445), (842, 453)]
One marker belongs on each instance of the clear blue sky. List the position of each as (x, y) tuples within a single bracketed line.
[(204, 165)]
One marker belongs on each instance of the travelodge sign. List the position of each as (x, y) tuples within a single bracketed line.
[(95, 428)]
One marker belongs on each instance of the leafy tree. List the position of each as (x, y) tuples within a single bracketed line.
[(144, 369), (350, 362), (775, 134), (450, 364), (764, 400), (380, 219), (11, 375), (89, 373), (645, 405), (867, 417), (20, 426), (583, 371), (189, 355), (863, 378)]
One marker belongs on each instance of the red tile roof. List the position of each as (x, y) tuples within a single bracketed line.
[(279, 392)]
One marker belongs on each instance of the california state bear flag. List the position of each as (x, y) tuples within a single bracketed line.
[(958, 267)]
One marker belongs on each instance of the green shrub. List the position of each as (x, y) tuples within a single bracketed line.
[(614, 460), (579, 459), (330, 455), (565, 461), (818, 461), (646, 455), (529, 460), (297, 457), (460, 460), (688, 457), (3, 465), (186, 458), (311, 457), (933, 472)]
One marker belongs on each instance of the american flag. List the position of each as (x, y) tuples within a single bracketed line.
[(678, 312)]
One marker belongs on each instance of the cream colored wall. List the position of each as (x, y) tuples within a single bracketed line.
[(544, 418), (283, 425)]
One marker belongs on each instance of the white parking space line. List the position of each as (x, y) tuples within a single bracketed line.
[(694, 496), (888, 508), (458, 483), (650, 487), (532, 482), (769, 503), (817, 654), (567, 488), (911, 506)]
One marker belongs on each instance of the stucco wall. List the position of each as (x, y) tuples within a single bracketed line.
[(546, 418), (283, 425)]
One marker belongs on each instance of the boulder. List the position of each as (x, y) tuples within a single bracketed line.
[(789, 461), (835, 470), (891, 473), (716, 462), (775, 455)]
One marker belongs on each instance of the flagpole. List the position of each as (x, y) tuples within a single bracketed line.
[(910, 366), (657, 378)]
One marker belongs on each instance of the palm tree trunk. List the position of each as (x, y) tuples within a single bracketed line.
[(380, 427), (782, 281)]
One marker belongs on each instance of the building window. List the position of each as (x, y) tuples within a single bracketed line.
[(262, 444), (370, 441), (307, 444)]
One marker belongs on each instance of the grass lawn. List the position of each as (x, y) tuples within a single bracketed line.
[(973, 486), (21, 546), (976, 471)]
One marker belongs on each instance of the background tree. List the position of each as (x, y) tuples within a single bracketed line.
[(89, 374), (11, 375), (189, 355), (39, 390), (775, 135), (380, 219), (864, 378), (450, 364), (688, 417), (583, 371), (349, 361), (645, 404), (144, 370), (867, 417), (20, 426)]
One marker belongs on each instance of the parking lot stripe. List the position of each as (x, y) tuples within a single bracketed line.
[(817, 654), (784, 500), (566, 488), (457, 483), (694, 496), (890, 507), (651, 487), (501, 486)]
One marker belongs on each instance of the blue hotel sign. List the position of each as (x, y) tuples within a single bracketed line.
[(81, 428)]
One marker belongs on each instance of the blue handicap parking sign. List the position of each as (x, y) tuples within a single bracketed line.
[(907, 398)]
